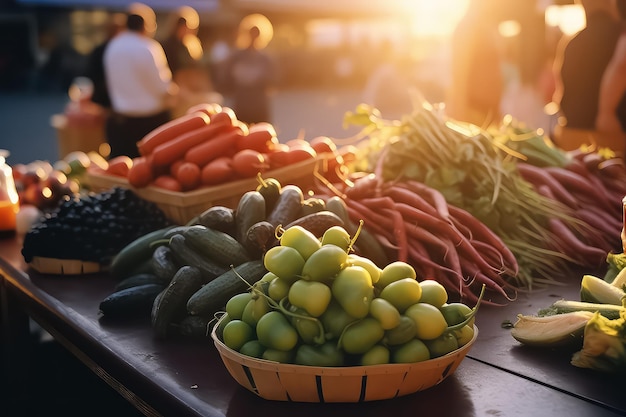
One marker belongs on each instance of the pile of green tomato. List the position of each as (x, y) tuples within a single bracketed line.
[(320, 304)]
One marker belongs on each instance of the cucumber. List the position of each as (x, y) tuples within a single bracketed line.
[(125, 261), (250, 210), (187, 255), (219, 246), (270, 189), (130, 302), (170, 306), (196, 327), (288, 206), (259, 238), (219, 218), (139, 279), (163, 264), (366, 244), (318, 222), (215, 294)]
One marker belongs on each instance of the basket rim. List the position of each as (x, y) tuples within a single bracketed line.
[(389, 368), (216, 190)]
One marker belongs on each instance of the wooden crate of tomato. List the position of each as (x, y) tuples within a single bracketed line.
[(207, 157)]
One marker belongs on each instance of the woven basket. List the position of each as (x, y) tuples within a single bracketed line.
[(285, 382), (181, 207)]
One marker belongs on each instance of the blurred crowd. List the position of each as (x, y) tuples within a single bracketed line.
[(481, 74)]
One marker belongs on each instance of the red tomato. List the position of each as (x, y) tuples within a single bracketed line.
[(218, 171), (140, 174), (167, 182), (278, 156), (120, 165), (248, 163), (188, 175), (299, 153)]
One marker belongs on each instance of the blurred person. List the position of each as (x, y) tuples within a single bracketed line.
[(611, 116), (95, 62), (477, 80), (250, 73), (184, 53), (580, 63), (139, 81)]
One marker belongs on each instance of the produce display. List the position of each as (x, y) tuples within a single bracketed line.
[(378, 261), (207, 146), (321, 305), (91, 227), (487, 173), (199, 265)]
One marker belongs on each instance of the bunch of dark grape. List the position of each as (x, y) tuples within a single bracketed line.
[(93, 227)]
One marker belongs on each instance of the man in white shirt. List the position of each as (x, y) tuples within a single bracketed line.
[(140, 86)]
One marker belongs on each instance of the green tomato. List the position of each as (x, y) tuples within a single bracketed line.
[(395, 271), (433, 292), (354, 291), (325, 263), (338, 236), (236, 304), (412, 351), (361, 336), (402, 333), (278, 289), (312, 296), (268, 277), (464, 334), (276, 355), (385, 312), (335, 319), (308, 327), (402, 293), (428, 319), (456, 313), (372, 268), (301, 239), (275, 332), (377, 355), (237, 333), (252, 348), (326, 354), (442, 345), (284, 261)]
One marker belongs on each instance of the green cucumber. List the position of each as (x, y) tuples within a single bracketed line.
[(130, 302), (219, 246), (215, 294), (170, 306), (187, 255), (139, 279), (125, 262)]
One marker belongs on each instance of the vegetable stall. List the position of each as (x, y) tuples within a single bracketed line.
[(363, 253)]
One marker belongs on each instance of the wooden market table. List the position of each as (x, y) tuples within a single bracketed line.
[(499, 377)]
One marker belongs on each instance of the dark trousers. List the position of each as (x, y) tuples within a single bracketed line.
[(123, 132)]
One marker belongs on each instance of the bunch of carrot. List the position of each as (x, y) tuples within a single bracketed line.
[(415, 224)]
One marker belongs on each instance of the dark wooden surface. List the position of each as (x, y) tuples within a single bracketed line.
[(499, 377)]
